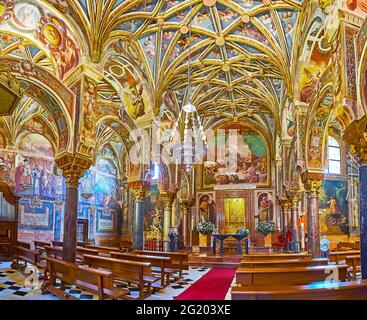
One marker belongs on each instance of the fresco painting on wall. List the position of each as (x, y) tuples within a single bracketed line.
[(334, 207), (265, 206), (252, 162), (99, 190), (206, 206)]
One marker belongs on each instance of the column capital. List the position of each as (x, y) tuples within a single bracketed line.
[(356, 137), (294, 197), (285, 204), (312, 181), (73, 166), (184, 205), (139, 190), (167, 198)]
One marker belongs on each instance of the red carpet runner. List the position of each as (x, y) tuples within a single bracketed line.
[(212, 286)]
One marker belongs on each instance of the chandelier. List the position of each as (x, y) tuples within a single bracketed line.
[(192, 146)]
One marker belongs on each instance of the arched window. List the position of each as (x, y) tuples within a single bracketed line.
[(155, 171), (334, 157)]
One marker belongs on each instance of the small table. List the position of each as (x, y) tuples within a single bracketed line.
[(222, 237)]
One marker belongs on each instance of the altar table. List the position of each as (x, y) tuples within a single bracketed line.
[(222, 237)]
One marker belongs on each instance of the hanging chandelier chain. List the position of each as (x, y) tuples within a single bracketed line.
[(189, 57)]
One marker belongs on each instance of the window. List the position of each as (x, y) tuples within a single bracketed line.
[(334, 157), (155, 171)]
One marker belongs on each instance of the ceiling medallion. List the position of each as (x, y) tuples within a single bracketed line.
[(226, 67), (220, 41), (160, 21), (266, 2), (229, 88), (184, 29), (246, 18), (209, 3)]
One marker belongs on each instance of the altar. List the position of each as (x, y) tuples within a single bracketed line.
[(222, 237)]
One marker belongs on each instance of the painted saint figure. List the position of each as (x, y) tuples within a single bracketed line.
[(332, 205), (265, 208), (25, 176), (36, 175)]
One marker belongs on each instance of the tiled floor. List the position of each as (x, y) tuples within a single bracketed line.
[(15, 285)]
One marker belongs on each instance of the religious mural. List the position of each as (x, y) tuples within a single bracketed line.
[(37, 180), (206, 206), (98, 194), (265, 206), (38, 22), (136, 96), (252, 161), (334, 207)]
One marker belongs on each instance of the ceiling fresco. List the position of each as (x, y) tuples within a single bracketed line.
[(241, 50)]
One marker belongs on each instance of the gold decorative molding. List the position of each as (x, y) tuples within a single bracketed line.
[(11, 93), (139, 190), (294, 198), (184, 206), (73, 167), (167, 198), (312, 181), (285, 204), (139, 193), (356, 137)]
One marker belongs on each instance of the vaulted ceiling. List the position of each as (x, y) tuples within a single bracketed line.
[(241, 53)]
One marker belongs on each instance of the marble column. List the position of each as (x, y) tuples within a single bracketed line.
[(363, 216), (312, 182), (285, 205), (139, 194), (294, 198), (356, 136), (70, 220), (184, 205), (167, 199)]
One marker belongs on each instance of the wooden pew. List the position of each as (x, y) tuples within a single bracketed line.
[(57, 243), (276, 256), (61, 244), (96, 281), (287, 276), (106, 251), (27, 256), (284, 263), (40, 246), (179, 260), (354, 262), (26, 245), (54, 252), (353, 290), (139, 273), (345, 246), (159, 264), (339, 256), (57, 253)]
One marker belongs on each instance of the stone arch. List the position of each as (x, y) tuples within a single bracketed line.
[(52, 94), (362, 80), (58, 47), (316, 129)]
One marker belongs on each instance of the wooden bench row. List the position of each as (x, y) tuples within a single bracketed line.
[(353, 290), (147, 272), (289, 276)]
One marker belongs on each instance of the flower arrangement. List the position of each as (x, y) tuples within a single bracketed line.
[(265, 227), (243, 232), (205, 227)]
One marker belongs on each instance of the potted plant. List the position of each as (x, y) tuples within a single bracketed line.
[(205, 229), (266, 228), (243, 232)]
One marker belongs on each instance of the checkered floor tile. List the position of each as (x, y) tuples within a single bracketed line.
[(13, 286)]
